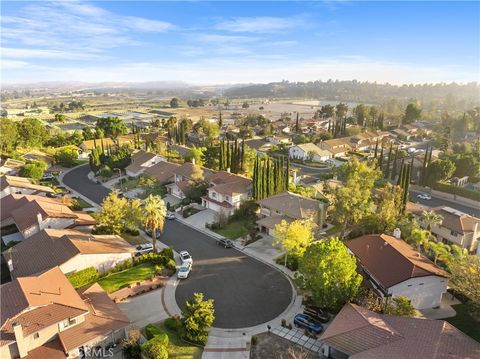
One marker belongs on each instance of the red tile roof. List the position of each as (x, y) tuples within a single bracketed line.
[(391, 260), (363, 334)]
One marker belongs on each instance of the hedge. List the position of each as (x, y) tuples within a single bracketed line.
[(152, 331), (154, 349), (459, 191), (83, 277)]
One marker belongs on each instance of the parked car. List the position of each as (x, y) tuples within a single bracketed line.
[(306, 322), (144, 249), (48, 176), (170, 215), (186, 257), (148, 231), (424, 196), (227, 243), (184, 271), (317, 314)]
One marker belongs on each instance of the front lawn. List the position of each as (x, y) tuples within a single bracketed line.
[(128, 185), (134, 240), (178, 348), (465, 322), (122, 279), (235, 229)]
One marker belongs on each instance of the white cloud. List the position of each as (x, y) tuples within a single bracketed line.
[(45, 54), (261, 24)]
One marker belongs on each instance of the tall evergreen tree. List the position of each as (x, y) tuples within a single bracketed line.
[(394, 168), (423, 173), (297, 127), (220, 122), (389, 158), (376, 149), (380, 159)]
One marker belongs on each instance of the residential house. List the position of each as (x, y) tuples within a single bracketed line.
[(359, 333), (396, 269), (185, 176), (37, 155), (155, 140), (140, 161), (88, 145), (457, 228), (163, 171), (338, 147), (226, 192), (289, 207), (21, 185), (32, 214), (310, 152), (10, 167), (180, 149), (459, 181), (69, 249), (43, 316), (259, 145)]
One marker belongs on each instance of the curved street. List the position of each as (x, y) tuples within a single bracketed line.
[(246, 291)]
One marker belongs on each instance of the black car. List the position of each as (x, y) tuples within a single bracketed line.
[(148, 231), (317, 314), (227, 243)]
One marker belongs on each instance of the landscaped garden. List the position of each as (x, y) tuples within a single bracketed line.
[(465, 322), (119, 280), (237, 225), (234, 229)]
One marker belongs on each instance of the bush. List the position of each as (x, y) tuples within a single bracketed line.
[(459, 191), (67, 156), (122, 266), (132, 231), (167, 252), (83, 277), (173, 323), (171, 264), (152, 331), (254, 340), (154, 258), (33, 170), (292, 261), (155, 349), (132, 351), (247, 209), (105, 171)]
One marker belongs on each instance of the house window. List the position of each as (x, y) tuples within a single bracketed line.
[(453, 233), (36, 336), (66, 323), (214, 195)]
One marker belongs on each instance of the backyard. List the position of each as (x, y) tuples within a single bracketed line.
[(465, 322), (122, 279)]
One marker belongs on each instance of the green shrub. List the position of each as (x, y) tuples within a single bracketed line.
[(155, 349), (132, 231), (83, 277), (171, 264), (459, 191), (152, 330), (254, 340), (154, 258), (173, 323), (167, 252), (106, 171), (292, 261)]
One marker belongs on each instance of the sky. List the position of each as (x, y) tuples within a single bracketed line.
[(239, 42)]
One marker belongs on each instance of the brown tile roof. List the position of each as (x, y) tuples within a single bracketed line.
[(458, 221), (138, 159), (90, 144), (363, 334), (21, 182), (390, 260), (26, 216), (229, 183), (292, 205), (51, 350), (187, 169), (103, 318), (54, 247), (163, 171), (50, 291)]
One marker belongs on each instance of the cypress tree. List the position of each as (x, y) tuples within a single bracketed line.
[(227, 157), (380, 159), (235, 158), (376, 149), (242, 157), (406, 189), (389, 158), (254, 179), (297, 128), (329, 126), (220, 160), (424, 168), (287, 174), (220, 122), (394, 169), (411, 164)]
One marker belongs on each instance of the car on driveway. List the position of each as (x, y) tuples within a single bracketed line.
[(227, 243), (185, 257), (184, 270), (306, 322), (424, 196), (170, 215), (143, 249)]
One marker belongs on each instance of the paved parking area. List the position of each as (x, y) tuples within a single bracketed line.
[(199, 219), (298, 337)]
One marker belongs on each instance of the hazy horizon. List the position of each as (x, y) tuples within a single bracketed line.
[(226, 43)]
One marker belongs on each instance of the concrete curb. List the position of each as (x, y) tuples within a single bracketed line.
[(86, 199)]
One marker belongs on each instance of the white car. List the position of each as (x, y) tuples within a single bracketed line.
[(424, 196), (186, 258), (170, 215), (144, 249), (184, 270)]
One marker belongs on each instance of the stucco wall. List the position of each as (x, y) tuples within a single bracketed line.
[(102, 262), (424, 292)]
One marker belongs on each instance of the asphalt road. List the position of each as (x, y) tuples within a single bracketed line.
[(246, 292), (77, 179), (437, 201)]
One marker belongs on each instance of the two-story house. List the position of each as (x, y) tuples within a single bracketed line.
[(21, 185), (338, 147), (457, 228), (184, 177), (226, 191), (289, 206), (43, 316), (68, 249), (395, 269), (310, 152)]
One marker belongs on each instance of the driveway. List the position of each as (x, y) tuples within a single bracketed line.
[(144, 309), (246, 292), (199, 219)]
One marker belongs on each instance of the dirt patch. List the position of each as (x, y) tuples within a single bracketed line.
[(271, 346)]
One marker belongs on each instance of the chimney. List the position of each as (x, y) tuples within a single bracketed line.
[(21, 345), (397, 233)]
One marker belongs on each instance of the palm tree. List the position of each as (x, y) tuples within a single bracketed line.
[(419, 238), (431, 218), (440, 251), (154, 214)]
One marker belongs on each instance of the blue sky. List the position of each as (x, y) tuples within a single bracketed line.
[(231, 42)]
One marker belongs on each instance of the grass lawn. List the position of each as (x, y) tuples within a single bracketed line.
[(234, 229), (134, 240), (465, 322), (179, 349), (122, 279), (128, 185)]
